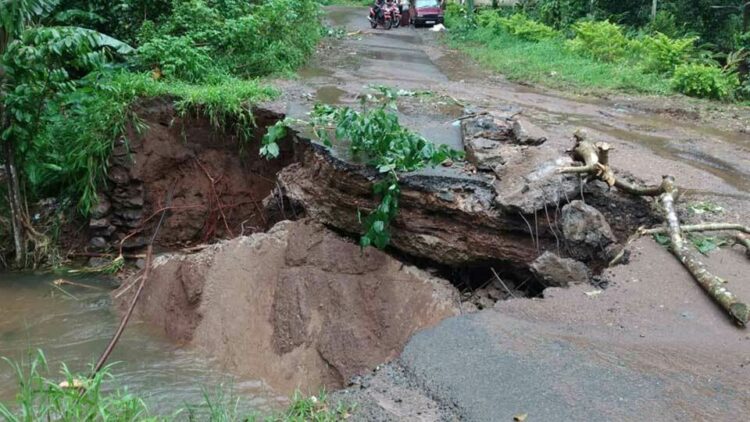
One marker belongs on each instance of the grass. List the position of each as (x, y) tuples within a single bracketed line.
[(549, 63), (78, 398), (69, 157)]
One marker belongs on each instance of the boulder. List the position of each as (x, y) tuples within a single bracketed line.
[(585, 225), (554, 271)]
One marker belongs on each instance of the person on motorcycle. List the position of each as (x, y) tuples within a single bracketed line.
[(378, 8)]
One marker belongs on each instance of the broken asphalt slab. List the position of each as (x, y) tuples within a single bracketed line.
[(648, 348)]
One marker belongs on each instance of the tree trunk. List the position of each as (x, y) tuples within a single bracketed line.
[(14, 198)]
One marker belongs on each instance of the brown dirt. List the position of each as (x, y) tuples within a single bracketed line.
[(298, 306), (216, 186)]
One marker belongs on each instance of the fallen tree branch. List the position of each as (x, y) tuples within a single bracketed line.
[(712, 284), (703, 227), (146, 272), (502, 283), (743, 240), (124, 321), (595, 159), (62, 281)]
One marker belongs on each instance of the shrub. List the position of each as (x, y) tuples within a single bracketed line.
[(276, 37), (662, 54), (601, 40), (699, 80), (665, 23), (527, 29), (489, 19), (175, 57), (456, 18)]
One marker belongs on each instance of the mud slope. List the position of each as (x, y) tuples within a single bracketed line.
[(298, 306)]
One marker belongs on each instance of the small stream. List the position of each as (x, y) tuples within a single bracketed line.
[(74, 326)]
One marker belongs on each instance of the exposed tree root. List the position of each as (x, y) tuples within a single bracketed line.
[(595, 158)]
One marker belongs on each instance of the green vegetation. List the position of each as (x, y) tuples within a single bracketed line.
[(374, 136), (40, 398), (602, 41), (80, 398), (548, 62), (67, 92), (700, 80), (577, 45)]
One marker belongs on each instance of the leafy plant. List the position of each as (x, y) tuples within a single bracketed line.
[(38, 63), (175, 57), (662, 54), (699, 80), (706, 244), (77, 398), (703, 207), (80, 398), (665, 23), (375, 137), (601, 40), (314, 409), (527, 29)]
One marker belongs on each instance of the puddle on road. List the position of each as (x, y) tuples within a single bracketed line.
[(310, 72), (399, 56), (329, 95)]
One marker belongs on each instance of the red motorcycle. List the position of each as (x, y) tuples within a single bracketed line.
[(382, 15), (395, 14)]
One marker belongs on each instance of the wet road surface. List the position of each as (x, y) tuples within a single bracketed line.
[(707, 156)]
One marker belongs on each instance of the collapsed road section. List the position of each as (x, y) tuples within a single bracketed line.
[(298, 303)]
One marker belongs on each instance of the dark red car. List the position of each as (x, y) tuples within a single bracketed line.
[(426, 12)]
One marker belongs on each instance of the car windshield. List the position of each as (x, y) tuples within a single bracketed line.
[(426, 3)]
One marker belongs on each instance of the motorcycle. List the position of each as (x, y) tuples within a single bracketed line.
[(383, 16), (395, 15)]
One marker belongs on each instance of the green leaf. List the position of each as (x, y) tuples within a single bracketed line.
[(661, 239)]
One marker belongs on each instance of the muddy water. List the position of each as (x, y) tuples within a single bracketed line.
[(74, 328)]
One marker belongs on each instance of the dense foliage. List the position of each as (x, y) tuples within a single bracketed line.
[(68, 80), (611, 51), (714, 21)]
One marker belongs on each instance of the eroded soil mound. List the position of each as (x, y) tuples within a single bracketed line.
[(298, 306)]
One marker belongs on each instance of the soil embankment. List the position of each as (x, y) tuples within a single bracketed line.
[(211, 181), (297, 307)]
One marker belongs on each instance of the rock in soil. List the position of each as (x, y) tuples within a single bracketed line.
[(587, 232), (297, 307), (554, 271)]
